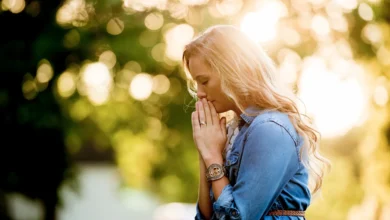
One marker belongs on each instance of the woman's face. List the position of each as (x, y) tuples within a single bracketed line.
[(209, 85)]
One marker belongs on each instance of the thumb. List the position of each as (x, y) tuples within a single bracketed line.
[(222, 123)]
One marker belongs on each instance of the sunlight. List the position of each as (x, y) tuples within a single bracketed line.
[(141, 86), (262, 25), (98, 81), (336, 104), (176, 38)]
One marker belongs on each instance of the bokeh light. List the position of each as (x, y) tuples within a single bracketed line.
[(44, 72), (336, 104), (141, 86), (115, 26), (14, 6), (161, 84), (108, 58), (97, 81), (265, 19), (176, 38), (154, 21), (66, 84)]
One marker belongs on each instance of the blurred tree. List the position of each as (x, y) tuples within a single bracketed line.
[(33, 158)]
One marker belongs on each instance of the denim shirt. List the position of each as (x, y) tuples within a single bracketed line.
[(264, 170)]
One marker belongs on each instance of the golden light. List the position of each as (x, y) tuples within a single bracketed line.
[(383, 55), (98, 81), (344, 48), (290, 36), (115, 26), (141, 86), (66, 84), (158, 52), (320, 25), (262, 25), (193, 2), (336, 104), (347, 5), (44, 72), (15, 6), (154, 21), (318, 2), (381, 96), (108, 58), (365, 12), (176, 38), (161, 84), (290, 64), (372, 33), (333, 9), (229, 8), (72, 12), (142, 5), (133, 66), (178, 11)]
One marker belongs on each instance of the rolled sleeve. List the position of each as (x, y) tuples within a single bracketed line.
[(269, 160), (224, 204), (199, 215)]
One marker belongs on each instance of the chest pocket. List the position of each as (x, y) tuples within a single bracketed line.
[(231, 166)]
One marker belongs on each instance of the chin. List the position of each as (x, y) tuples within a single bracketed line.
[(219, 109)]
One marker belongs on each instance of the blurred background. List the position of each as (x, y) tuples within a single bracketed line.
[(95, 113)]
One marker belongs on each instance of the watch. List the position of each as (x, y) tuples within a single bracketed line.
[(215, 172)]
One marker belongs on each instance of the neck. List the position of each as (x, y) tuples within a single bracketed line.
[(237, 111)]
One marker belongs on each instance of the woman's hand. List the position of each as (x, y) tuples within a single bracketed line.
[(209, 132)]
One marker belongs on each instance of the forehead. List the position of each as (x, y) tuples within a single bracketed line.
[(198, 67)]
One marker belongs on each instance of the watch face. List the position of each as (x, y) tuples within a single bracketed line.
[(215, 171)]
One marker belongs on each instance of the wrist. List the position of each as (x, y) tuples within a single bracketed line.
[(213, 160)]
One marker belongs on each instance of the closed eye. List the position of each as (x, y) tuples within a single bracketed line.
[(204, 83)]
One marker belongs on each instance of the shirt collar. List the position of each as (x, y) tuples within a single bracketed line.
[(247, 118)]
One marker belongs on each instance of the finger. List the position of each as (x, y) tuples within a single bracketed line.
[(207, 112), (214, 115), (223, 125), (201, 115), (195, 121)]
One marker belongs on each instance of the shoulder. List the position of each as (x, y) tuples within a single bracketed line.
[(274, 122)]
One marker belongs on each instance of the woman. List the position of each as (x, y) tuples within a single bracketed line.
[(264, 172)]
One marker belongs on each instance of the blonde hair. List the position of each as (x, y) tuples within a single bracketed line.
[(249, 78)]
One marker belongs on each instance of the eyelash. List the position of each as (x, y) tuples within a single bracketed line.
[(205, 83)]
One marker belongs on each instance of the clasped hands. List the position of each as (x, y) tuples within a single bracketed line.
[(209, 132)]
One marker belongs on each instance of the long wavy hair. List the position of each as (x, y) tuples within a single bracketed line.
[(249, 78)]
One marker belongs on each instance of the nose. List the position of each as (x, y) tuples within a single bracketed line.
[(200, 93)]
